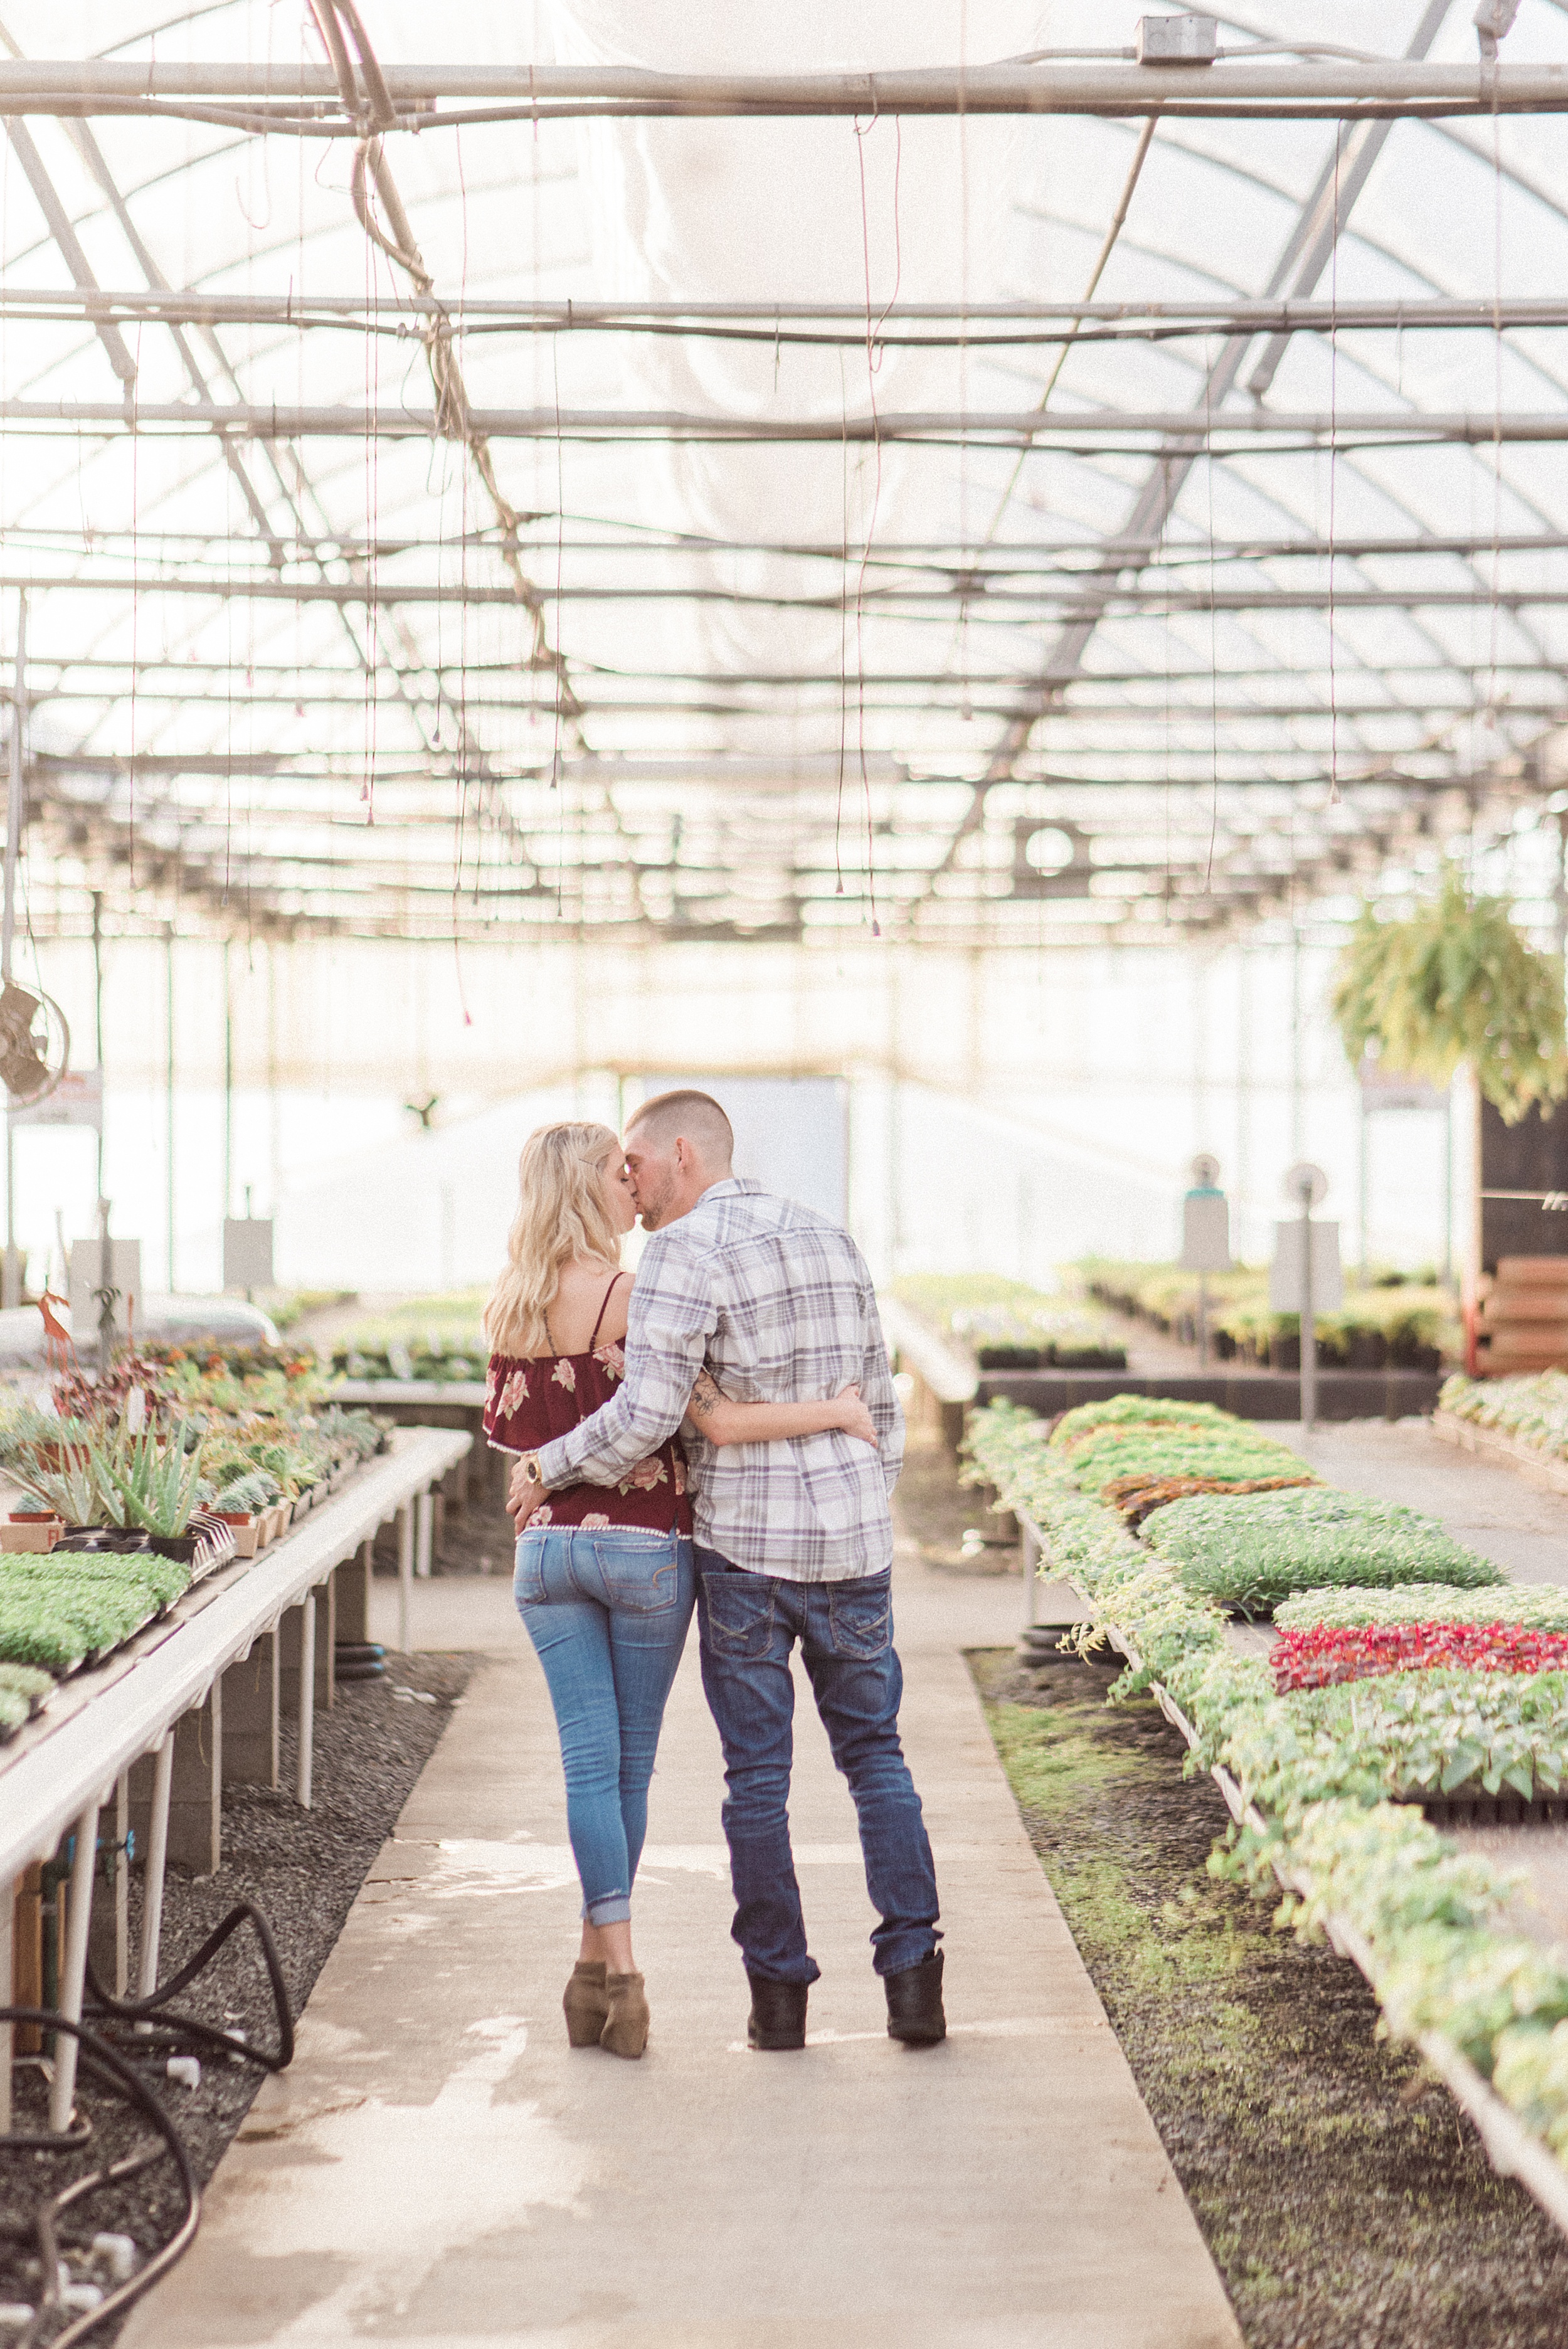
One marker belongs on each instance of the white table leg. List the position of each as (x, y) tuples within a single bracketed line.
[(72, 1972), (306, 1698), (121, 1885), (425, 1533), (7, 1923), (405, 1571), (157, 1864)]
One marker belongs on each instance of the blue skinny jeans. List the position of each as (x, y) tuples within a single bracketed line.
[(608, 1611)]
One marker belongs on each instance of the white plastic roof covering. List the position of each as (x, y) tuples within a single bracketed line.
[(791, 675)]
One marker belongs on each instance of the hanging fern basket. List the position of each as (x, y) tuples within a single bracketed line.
[(1456, 983)]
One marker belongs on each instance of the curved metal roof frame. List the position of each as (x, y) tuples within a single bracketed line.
[(739, 742)]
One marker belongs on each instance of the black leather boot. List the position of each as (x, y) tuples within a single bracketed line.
[(915, 2011), (777, 2018)]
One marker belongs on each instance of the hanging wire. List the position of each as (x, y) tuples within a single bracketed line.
[(1213, 677), (462, 656), (1333, 793), (844, 634), (1497, 403), (874, 361)]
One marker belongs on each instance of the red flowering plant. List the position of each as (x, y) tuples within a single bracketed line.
[(1327, 1654)]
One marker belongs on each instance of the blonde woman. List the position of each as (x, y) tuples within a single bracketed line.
[(604, 1579)]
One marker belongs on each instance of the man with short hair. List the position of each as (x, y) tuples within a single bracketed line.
[(794, 1540)]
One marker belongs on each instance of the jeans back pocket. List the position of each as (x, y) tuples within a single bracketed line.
[(641, 1572), (860, 1615), (737, 1615)]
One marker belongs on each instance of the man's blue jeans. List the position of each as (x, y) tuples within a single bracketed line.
[(608, 1612), (748, 1624)]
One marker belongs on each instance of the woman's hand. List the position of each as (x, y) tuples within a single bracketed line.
[(854, 1419), (525, 1492)]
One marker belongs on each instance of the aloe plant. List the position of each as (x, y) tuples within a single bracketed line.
[(71, 1490), (156, 1483), (122, 1480)]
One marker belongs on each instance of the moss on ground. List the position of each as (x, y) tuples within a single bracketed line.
[(1347, 2203)]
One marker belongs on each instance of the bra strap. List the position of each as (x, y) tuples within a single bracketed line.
[(604, 1310)]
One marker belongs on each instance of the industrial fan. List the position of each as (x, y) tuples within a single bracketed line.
[(35, 1045)]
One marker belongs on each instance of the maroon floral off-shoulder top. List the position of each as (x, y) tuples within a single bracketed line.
[(531, 1400)]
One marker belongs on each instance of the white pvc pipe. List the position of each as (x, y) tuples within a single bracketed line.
[(73, 1969), (157, 1865), (424, 1533), (1031, 1545), (306, 1698), (405, 1571)]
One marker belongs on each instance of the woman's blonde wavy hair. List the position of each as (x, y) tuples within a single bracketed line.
[(563, 1211)]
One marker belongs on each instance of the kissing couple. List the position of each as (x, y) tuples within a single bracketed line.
[(722, 1430)]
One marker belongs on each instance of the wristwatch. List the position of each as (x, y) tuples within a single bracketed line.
[(529, 1466)]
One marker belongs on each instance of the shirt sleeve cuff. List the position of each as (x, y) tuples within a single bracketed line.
[(554, 1468)]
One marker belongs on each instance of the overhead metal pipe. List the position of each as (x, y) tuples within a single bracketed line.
[(1054, 321), (1193, 429), (300, 95), (1014, 606)]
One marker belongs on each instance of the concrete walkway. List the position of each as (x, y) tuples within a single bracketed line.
[(438, 2168)]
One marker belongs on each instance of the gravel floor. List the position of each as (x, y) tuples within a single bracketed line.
[(1346, 2201), (302, 1870)]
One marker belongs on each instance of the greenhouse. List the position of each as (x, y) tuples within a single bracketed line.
[(785, 1292)]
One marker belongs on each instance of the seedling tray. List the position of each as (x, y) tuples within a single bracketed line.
[(1463, 1810)]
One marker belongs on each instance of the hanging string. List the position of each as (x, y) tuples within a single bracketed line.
[(462, 641), (1213, 671), (1334, 794), (1497, 403), (965, 709), (135, 641), (555, 775), (371, 364), (843, 628), (874, 361)]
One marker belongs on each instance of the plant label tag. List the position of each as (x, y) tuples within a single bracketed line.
[(1205, 1232), (1286, 1285)]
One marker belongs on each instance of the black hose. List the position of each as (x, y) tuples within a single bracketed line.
[(108, 2063), (189, 2026)]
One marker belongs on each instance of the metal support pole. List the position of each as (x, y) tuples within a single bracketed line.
[(1364, 1187), (11, 1286), (1031, 1549), (16, 787), (1296, 1103), (405, 1571), (108, 1295), (228, 1089), (1448, 1189), (169, 1092), (74, 1971), (157, 1865), (424, 1533), (1308, 1318), (1202, 1321), (98, 1022), (306, 1699)]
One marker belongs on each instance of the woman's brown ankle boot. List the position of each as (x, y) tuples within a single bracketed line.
[(586, 2003), (625, 2031)]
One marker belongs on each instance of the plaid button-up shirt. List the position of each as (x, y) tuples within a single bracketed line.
[(779, 1303)]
